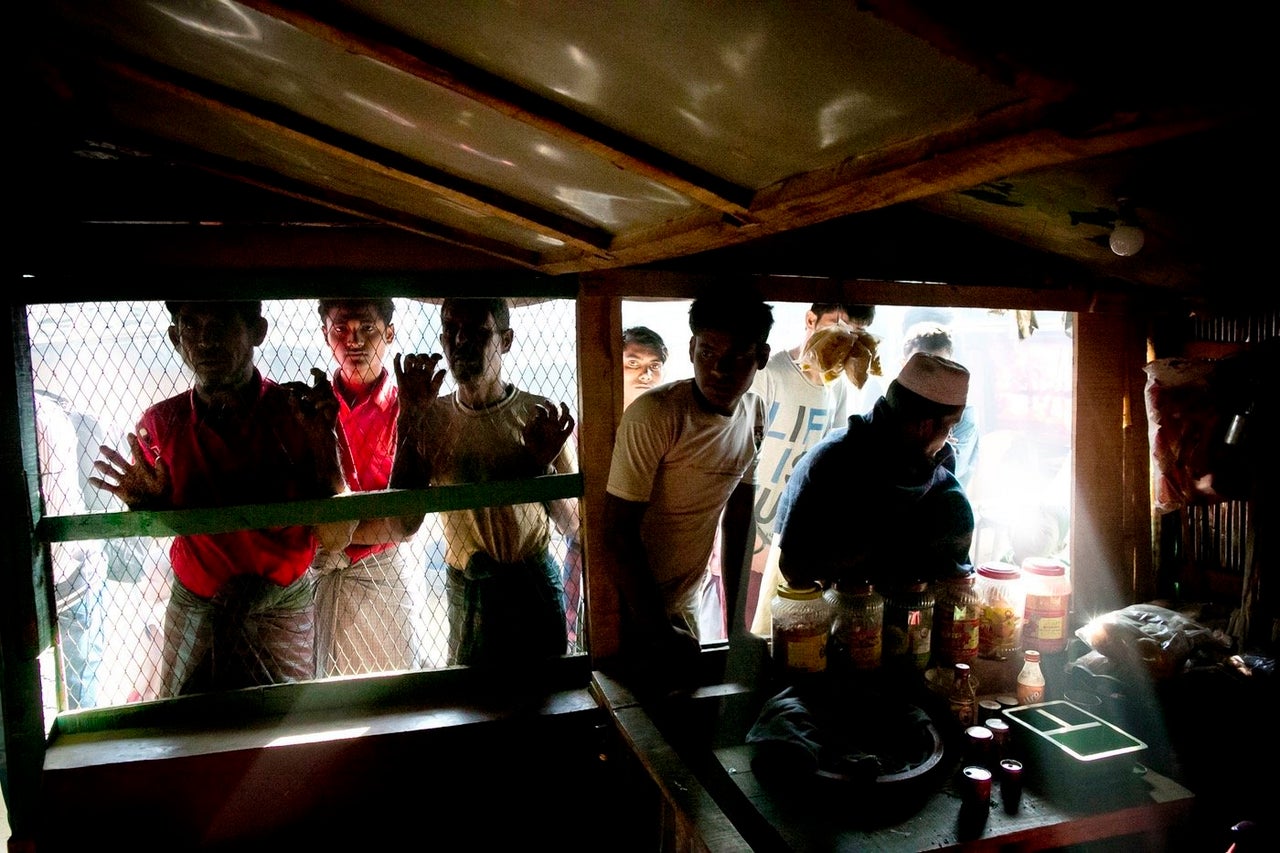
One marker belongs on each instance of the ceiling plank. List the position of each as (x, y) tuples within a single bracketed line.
[(946, 167), (354, 250), (670, 284), (477, 199), (365, 209), (928, 25), (916, 171), (630, 155)]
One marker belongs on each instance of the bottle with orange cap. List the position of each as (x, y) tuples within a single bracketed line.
[(1030, 679)]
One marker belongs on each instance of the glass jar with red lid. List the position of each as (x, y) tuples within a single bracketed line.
[(1003, 602), (1045, 616)]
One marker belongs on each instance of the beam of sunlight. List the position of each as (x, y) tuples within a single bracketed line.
[(321, 736)]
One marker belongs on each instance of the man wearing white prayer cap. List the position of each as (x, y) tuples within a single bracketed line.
[(878, 501)]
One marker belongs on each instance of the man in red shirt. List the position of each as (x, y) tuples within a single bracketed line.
[(370, 599), (240, 611)]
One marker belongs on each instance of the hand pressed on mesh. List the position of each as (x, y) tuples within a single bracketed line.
[(315, 408), (547, 431), (335, 536), (138, 483), (314, 405), (419, 379)]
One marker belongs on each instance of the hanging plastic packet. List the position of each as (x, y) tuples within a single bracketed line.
[(841, 348)]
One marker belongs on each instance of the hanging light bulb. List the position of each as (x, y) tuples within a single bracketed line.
[(1126, 237), (1127, 240)]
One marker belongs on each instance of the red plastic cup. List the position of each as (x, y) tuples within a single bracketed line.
[(978, 745), (977, 786), (1011, 784), (999, 736)]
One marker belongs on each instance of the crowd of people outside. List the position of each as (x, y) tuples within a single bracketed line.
[(802, 407), (1019, 398), (373, 606), (79, 568), (259, 607)]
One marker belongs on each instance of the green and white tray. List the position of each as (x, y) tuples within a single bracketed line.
[(1067, 743)]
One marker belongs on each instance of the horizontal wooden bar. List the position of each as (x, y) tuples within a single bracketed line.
[(61, 285), (380, 504)]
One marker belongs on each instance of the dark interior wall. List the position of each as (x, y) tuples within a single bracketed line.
[(539, 783)]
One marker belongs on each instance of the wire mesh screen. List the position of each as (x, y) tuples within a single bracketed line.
[(98, 366)]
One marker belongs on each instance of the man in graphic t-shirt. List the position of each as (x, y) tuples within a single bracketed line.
[(801, 408)]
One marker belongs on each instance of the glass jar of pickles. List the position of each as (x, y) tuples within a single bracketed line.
[(857, 620), (801, 627), (1002, 597), (956, 615), (908, 627), (1047, 610)]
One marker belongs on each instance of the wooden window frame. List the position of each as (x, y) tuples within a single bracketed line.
[(1111, 509)]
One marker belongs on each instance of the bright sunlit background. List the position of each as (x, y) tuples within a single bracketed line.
[(1021, 391)]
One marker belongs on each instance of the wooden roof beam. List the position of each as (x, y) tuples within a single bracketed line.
[(356, 35)]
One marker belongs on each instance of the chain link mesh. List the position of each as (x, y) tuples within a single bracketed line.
[(98, 366)]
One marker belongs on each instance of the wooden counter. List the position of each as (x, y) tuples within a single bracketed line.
[(704, 767), (1149, 805)]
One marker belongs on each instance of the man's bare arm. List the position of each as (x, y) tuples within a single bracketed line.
[(409, 471), (669, 653), (630, 563), (737, 537)]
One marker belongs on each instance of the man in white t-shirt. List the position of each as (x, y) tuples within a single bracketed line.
[(801, 408), (684, 463)]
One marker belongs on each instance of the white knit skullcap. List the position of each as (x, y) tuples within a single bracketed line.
[(935, 378)]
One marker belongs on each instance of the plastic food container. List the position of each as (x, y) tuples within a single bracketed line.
[(1071, 749), (1045, 626), (1003, 603), (801, 627)]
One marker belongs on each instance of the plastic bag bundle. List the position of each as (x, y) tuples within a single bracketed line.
[(1198, 412), (1150, 638), (841, 348)]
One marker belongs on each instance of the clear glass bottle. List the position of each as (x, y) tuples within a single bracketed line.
[(908, 627), (957, 614), (801, 627), (857, 625), (963, 699), (999, 587), (1030, 679)]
